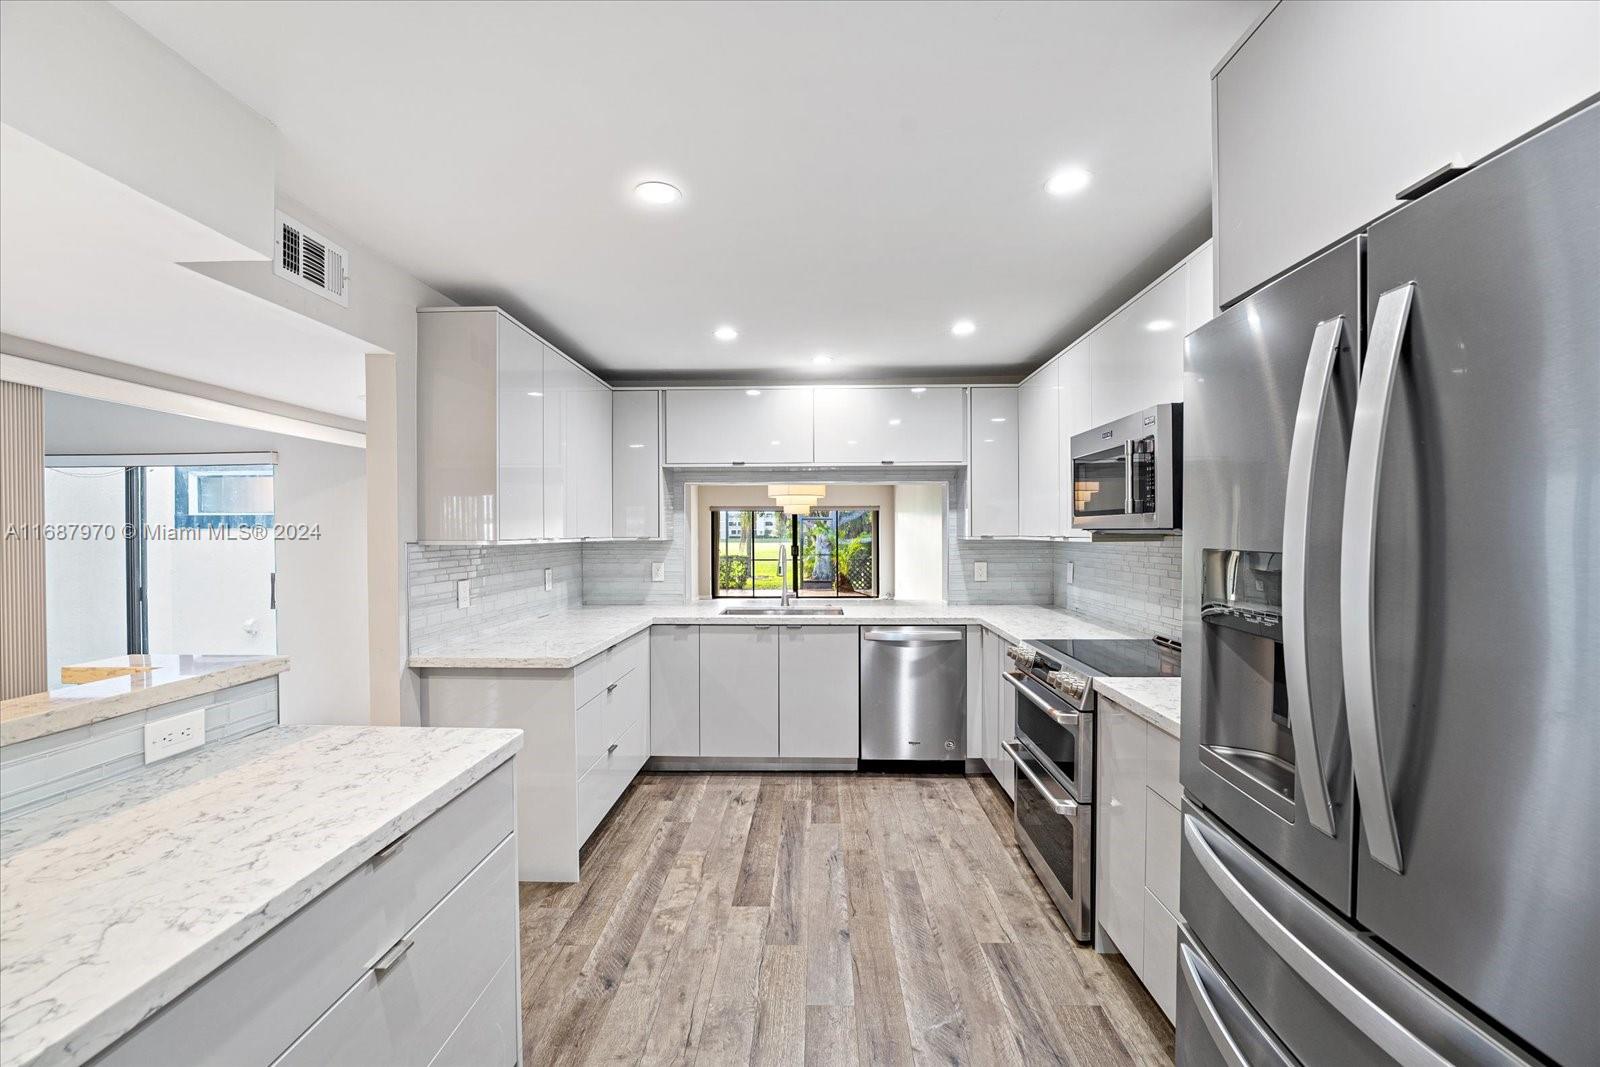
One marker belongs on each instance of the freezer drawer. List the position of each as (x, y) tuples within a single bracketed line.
[(1331, 994), (1216, 1028)]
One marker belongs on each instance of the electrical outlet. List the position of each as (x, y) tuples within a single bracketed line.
[(463, 592), (174, 734), (658, 572), (1072, 572), (549, 579), (980, 571)]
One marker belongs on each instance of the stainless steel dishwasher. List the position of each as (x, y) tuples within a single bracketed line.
[(913, 692)]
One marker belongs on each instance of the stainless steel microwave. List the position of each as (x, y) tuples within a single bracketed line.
[(1128, 474)]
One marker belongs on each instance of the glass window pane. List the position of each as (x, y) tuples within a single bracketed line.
[(732, 553), (856, 552)]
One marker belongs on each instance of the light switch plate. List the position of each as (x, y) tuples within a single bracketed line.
[(980, 571), (463, 592), (174, 734), (658, 572), (549, 579)]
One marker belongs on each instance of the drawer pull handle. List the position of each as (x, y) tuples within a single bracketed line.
[(392, 847), (612, 686), (611, 748), (395, 954)]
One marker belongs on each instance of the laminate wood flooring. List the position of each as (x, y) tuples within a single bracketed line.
[(817, 919)]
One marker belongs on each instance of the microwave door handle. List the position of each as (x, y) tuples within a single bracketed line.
[(1314, 390), (1358, 545), (1127, 477)]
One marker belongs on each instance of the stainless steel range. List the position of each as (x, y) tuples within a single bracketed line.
[(1054, 754)]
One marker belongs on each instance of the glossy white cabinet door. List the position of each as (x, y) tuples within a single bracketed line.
[(890, 424), (819, 692), (589, 458), (1004, 767), (739, 691), (1120, 829), (1039, 454), (636, 463), (753, 426), (1200, 282), (562, 406), (675, 690), (992, 471), (1303, 159), (457, 452), (1136, 358), (1075, 375), (520, 400), (1159, 969)]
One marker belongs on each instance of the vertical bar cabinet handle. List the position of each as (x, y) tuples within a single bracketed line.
[(1314, 390), (1358, 546)]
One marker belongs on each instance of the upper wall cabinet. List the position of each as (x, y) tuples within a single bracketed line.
[(1039, 453), (1303, 158), (992, 473), (636, 463), (1075, 376), (577, 450), (890, 424), (716, 427), (1136, 356)]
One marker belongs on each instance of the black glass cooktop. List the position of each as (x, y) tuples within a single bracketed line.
[(1127, 658)]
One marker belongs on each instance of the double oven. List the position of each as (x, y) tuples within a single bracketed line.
[(1054, 754)]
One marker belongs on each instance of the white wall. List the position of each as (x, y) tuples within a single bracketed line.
[(322, 584), (919, 518), (84, 578)]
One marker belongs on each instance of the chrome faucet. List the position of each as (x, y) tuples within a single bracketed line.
[(783, 579)]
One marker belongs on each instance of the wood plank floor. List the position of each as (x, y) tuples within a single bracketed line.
[(817, 919)]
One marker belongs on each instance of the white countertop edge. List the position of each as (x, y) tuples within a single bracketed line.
[(86, 710), (1155, 700), (83, 1041)]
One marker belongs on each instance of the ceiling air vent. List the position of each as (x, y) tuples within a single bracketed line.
[(312, 262)]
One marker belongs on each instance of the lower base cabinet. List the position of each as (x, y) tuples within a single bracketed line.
[(739, 691), (819, 692), (998, 711)]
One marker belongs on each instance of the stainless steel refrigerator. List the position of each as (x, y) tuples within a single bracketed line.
[(1391, 685)]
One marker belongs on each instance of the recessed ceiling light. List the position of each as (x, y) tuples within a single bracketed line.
[(849, 442), (894, 422), (1158, 325), (822, 359), (998, 418), (656, 192), (636, 446), (988, 440), (963, 327), (725, 333), (777, 442), (536, 394), (752, 392), (920, 389), (1067, 181)]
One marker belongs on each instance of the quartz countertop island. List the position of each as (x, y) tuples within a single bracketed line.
[(118, 900)]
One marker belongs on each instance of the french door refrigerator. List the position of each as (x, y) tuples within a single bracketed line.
[(1391, 739)]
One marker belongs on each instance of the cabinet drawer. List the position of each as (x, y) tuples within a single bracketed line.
[(599, 789), (602, 722), (1162, 850), (631, 655), (405, 1014), (246, 1012), (591, 677), (490, 1033), (1161, 754), (1160, 970)]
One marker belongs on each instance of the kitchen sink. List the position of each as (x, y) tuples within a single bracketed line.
[(818, 610)]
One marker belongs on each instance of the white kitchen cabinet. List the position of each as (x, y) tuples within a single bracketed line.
[(520, 431), (1039, 453), (675, 690), (1302, 159), (1160, 971), (577, 450), (998, 711), (717, 427), (1075, 376), (1120, 830), (1200, 283), (636, 489), (992, 470), (819, 692), (739, 691), (890, 424), (1136, 356)]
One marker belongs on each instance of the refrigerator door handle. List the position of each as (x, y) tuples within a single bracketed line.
[(1357, 563), (1314, 390)]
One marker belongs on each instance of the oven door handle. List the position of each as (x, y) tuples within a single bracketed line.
[(1060, 715), (1059, 803)]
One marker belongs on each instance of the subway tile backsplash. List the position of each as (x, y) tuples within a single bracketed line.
[(507, 582), (1134, 584)]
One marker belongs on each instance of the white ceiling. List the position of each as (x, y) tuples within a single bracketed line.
[(92, 265), (858, 176)]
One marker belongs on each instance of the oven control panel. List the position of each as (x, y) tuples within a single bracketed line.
[(1023, 656), (1069, 683)]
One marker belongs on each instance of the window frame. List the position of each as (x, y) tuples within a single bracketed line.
[(791, 542)]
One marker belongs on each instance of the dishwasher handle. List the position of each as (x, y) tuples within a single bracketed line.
[(915, 636)]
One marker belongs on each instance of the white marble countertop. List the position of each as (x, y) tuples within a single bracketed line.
[(168, 678), (563, 640), (1155, 700), (118, 900)]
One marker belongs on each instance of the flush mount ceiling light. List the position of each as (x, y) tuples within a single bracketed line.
[(752, 392), (963, 327), (1068, 181), (636, 446), (822, 359), (658, 193), (725, 333), (536, 394), (894, 422), (1158, 325), (920, 389), (998, 418)]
